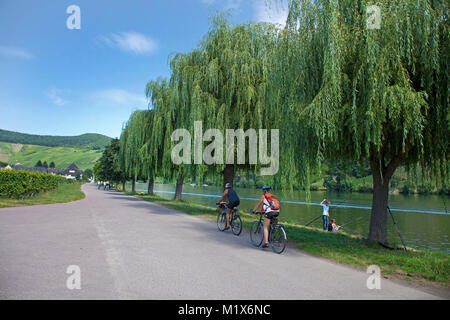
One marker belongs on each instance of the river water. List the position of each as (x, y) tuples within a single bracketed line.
[(422, 219)]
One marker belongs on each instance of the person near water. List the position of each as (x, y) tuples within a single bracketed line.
[(233, 201), (325, 213), (333, 227)]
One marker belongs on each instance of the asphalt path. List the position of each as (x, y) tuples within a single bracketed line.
[(126, 248)]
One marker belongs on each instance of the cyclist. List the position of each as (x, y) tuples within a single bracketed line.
[(233, 201), (270, 209)]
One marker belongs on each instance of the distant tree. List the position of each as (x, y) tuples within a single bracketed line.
[(97, 170), (38, 164), (88, 173), (52, 165), (45, 164), (107, 167)]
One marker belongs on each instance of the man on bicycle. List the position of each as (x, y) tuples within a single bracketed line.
[(233, 201), (270, 211)]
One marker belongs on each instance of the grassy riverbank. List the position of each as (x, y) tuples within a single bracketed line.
[(64, 193), (417, 265)]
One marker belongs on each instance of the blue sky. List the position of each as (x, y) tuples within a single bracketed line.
[(58, 81)]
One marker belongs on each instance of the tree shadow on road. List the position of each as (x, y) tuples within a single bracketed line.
[(205, 227)]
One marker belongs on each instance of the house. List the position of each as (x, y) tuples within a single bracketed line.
[(71, 172)]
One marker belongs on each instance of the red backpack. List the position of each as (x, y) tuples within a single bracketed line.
[(274, 204)]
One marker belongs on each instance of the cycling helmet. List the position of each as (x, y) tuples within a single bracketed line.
[(265, 188), (228, 185)]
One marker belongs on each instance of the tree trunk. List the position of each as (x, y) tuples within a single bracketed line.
[(123, 185), (151, 182), (378, 219), (381, 175), (179, 188), (133, 185), (228, 174)]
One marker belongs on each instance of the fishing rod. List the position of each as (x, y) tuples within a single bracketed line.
[(396, 227), (352, 221), (312, 221)]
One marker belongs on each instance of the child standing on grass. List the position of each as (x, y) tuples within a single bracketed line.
[(325, 213)]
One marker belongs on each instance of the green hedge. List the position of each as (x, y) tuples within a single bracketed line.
[(19, 184)]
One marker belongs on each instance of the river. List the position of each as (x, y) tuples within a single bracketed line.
[(423, 220)]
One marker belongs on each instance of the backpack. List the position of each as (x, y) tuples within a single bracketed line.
[(330, 227), (274, 204)]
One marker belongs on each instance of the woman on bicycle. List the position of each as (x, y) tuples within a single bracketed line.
[(271, 210), (233, 201)]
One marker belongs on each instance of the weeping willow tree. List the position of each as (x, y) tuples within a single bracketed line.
[(167, 117), (370, 94), (132, 140), (148, 153), (160, 126), (224, 85), (122, 155)]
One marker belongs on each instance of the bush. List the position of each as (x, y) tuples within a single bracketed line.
[(365, 187), (426, 188), (15, 184), (340, 185)]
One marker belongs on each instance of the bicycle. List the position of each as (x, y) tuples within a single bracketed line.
[(235, 219), (277, 235)]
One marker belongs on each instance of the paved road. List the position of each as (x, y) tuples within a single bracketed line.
[(131, 249)]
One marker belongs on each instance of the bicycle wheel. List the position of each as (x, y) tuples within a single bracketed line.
[(278, 239), (256, 233), (236, 225), (221, 221)]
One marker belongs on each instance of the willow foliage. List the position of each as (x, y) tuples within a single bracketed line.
[(132, 141), (224, 83), (368, 94), (167, 117)]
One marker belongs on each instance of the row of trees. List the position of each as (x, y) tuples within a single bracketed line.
[(335, 88), (45, 164)]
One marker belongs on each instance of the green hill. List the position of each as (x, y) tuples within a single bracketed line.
[(28, 155), (92, 140)]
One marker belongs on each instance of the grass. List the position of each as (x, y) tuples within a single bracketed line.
[(417, 265), (65, 193), (28, 155)]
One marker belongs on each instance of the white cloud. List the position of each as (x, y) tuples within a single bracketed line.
[(15, 52), (134, 42), (274, 11), (121, 97), (55, 96)]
